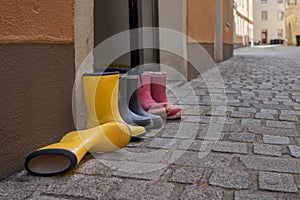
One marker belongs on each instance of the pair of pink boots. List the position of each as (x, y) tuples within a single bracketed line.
[(152, 95)]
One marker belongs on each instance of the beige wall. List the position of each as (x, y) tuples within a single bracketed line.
[(37, 21), (272, 24)]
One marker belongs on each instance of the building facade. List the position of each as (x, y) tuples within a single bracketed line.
[(292, 22), (43, 44), (243, 23), (269, 21)]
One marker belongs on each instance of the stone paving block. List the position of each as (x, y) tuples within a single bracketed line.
[(180, 134), (16, 190), (269, 111), (252, 110), (294, 150), (290, 112), (240, 114), (93, 167), (186, 174), (230, 147), (211, 135), (277, 182), (273, 131), (144, 190), (162, 143), (150, 171), (201, 193), (251, 122), (271, 139), (297, 140), (264, 116), (232, 128), (265, 149), (241, 137), (93, 187), (278, 124), (228, 178), (211, 160), (292, 118), (243, 195), (287, 165)]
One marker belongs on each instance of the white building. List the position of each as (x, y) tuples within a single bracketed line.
[(269, 22), (243, 22)]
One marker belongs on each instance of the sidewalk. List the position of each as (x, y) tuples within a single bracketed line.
[(256, 157)]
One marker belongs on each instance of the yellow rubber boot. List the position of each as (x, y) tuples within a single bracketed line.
[(101, 99), (66, 154)]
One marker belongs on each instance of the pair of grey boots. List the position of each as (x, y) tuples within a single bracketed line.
[(129, 107)]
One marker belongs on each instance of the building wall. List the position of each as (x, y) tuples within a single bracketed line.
[(243, 22), (272, 24), (291, 23), (37, 70)]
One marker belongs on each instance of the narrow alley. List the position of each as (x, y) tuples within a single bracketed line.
[(256, 156)]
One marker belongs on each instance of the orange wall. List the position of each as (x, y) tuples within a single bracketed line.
[(37, 21), (201, 19), (228, 30)]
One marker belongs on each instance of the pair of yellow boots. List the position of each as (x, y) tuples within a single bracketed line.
[(107, 130)]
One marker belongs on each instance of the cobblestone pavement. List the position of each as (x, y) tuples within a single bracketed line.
[(256, 155)]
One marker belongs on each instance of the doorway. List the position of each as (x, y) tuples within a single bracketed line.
[(264, 37), (144, 13)]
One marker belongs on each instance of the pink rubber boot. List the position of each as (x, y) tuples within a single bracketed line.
[(159, 94), (145, 99)]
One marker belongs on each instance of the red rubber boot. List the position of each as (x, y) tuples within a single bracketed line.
[(145, 99), (159, 94)]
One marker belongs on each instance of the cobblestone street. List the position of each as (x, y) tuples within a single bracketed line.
[(257, 155)]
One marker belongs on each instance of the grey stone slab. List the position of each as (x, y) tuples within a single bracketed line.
[(211, 160), (245, 195), (240, 114), (181, 133), (93, 187), (93, 167), (162, 143), (271, 139), (291, 118), (264, 116), (150, 171), (297, 140), (269, 111), (273, 131), (279, 124), (290, 112), (228, 178), (266, 149), (241, 137), (144, 190), (210, 135), (230, 147), (16, 190), (288, 165), (251, 122), (277, 182), (186, 174), (201, 193), (294, 151)]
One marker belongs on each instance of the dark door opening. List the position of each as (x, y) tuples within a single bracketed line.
[(264, 37), (143, 13)]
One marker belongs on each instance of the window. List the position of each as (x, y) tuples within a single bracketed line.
[(264, 15), (280, 32), (280, 15), (264, 1), (279, 1)]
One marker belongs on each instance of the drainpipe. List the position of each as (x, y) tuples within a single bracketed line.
[(218, 53)]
